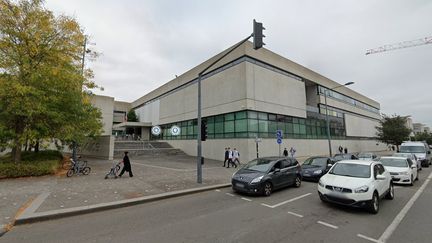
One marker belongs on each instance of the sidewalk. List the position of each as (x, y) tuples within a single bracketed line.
[(151, 176)]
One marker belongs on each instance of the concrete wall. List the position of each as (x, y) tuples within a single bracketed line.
[(106, 105), (149, 112), (102, 147), (215, 148), (360, 126)]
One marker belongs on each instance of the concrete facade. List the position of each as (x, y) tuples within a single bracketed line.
[(259, 81)]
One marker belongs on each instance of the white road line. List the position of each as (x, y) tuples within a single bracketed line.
[(217, 190), (368, 238), (296, 214), (327, 224), (396, 221), (287, 201), (229, 194), (246, 199)]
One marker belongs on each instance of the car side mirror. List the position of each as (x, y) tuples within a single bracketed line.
[(429, 152), (329, 165), (380, 177), (374, 156), (413, 166)]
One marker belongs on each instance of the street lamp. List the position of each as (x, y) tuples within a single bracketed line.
[(327, 116)]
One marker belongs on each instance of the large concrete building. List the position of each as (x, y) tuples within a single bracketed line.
[(250, 94)]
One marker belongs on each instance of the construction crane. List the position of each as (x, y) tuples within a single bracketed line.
[(400, 45)]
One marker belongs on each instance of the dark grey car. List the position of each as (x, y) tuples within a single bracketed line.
[(263, 175)]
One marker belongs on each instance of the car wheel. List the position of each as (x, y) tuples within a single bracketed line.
[(390, 193), (297, 182), (374, 204), (412, 181), (268, 188)]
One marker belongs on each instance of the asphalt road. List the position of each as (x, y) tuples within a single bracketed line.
[(289, 215)]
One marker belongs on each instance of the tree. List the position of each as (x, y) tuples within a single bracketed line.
[(423, 136), (393, 130), (132, 116), (44, 92)]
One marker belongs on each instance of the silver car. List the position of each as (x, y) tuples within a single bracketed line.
[(410, 156)]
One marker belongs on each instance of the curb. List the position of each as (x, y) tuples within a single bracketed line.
[(2, 230), (61, 213)]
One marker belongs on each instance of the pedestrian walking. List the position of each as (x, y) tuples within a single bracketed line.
[(285, 152), (236, 156), (126, 165), (346, 150), (292, 151), (230, 158), (340, 149), (226, 157)]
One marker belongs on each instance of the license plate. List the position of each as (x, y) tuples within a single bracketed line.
[(239, 185)]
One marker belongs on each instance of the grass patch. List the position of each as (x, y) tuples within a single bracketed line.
[(32, 164)]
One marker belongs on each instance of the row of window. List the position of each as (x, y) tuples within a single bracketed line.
[(252, 124), (346, 99)]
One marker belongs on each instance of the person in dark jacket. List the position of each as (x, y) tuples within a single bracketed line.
[(126, 165), (226, 157), (285, 152)]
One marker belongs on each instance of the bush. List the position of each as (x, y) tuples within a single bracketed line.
[(32, 164)]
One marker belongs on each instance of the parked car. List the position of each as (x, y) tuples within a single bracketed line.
[(315, 167), (356, 183), (411, 156), (263, 175), (422, 152), (349, 156), (367, 156), (402, 170)]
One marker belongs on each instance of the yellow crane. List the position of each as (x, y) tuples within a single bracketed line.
[(400, 45)]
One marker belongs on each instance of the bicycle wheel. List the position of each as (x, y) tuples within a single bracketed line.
[(70, 172), (86, 170)]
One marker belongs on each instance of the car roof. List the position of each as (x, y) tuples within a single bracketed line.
[(393, 157), (274, 158), (413, 144), (364, 162)]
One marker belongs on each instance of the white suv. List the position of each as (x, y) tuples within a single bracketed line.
[(356, 183)]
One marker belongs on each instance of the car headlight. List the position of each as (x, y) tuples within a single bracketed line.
[(320, 183), (403, 173), (256, 180), (317, 172), (361, 189)]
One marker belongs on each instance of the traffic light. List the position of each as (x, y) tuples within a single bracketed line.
[(258, 35), (203, 130)]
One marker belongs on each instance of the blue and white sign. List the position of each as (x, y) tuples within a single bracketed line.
[(279, 140), (175, 130), (279, 135), (156, 130)]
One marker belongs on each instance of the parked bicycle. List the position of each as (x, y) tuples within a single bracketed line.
[(78, 167)]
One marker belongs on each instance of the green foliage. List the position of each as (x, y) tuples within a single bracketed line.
[(132, 116), (393, 130), (45, 93), (424, 136), (33, 164)]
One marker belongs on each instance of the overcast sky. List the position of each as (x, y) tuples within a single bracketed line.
[(144, 44)]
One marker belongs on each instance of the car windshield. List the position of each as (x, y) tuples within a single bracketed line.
[(365, 155), (394, 162), (402, 155), (260, 164), (412, 149), (316, 162), (351, 170)]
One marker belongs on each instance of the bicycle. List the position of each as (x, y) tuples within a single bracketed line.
[(78, 167)]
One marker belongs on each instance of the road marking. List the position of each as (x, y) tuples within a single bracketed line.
[(246, 199), (392, 227), (296, 214), (327, 224), (287, 201), (229, 194), (217, 190), (368, 238)]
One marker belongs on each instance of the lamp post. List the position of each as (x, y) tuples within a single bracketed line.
[(327, 116)]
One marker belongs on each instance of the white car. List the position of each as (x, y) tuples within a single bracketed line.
[(402, 170), (412, 157), (356, 183)]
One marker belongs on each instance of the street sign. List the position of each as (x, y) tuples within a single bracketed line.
[(279, 140), (156, 130), (279, 134), (175, 130)]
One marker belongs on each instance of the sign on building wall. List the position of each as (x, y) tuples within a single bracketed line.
[(156, 130)]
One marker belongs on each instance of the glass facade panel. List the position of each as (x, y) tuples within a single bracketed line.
[(241, 126), (229, 127)]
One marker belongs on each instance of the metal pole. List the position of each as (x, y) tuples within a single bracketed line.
[(199, 151), (257, 149), (279, 150), (328, 123)]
